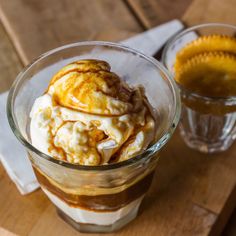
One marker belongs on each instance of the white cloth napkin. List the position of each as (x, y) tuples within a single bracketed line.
[(13, 155)]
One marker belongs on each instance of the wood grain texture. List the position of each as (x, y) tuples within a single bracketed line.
[(186, 198), (19, 213), (10, 64), (154, 12), (37, 26), (202, 11), (192, 193)]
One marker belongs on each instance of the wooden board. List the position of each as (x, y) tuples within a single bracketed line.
[(211, 11), (12, 208), (186, 198), (10, 64), (192, 193), (19, 213), (154, 12), (37, 26), (192, 12)]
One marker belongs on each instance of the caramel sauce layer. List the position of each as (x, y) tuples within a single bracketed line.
[(99, 203)]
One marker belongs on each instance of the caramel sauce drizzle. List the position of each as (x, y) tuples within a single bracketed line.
[(87, 79)]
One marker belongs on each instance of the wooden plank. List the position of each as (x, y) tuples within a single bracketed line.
[(37, 26), (189, 191), (34, 28), (202, 11), (154, 12), (54, 225), (186, 197), (182, 199), (12, 205), (19, 213), (224, 12), (10, 64), (113, 35)]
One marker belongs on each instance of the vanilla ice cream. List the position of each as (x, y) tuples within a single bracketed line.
[(88, 116)]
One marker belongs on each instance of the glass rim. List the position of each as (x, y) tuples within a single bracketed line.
[(138, 158), (180, 34)]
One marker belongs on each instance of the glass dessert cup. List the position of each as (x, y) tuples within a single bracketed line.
[(207, 124), (96, 198)]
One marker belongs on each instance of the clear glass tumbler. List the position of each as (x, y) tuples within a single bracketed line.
[(96, 198), (208, 124)]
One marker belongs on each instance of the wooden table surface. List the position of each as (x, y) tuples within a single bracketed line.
[(192, 193)]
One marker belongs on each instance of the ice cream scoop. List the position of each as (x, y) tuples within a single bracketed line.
[(88, 116), (91, 87)]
